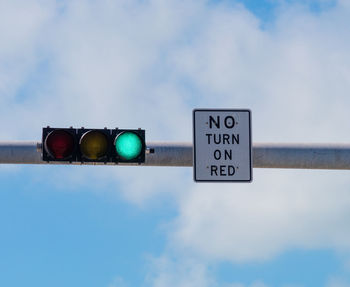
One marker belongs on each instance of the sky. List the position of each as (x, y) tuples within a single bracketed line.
[(148, 64)]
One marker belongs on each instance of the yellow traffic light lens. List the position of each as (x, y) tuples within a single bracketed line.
[(128, 145), (94, 145)]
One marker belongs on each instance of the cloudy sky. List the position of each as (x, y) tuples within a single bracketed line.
[(148, 63)]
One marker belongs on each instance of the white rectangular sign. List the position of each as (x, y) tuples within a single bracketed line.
[(222, 145)]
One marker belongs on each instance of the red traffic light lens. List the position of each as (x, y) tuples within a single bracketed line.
[(59, 144)]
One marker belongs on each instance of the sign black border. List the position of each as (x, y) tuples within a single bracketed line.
[(194, 143)]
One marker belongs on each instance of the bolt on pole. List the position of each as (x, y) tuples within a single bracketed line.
[(265, 155)]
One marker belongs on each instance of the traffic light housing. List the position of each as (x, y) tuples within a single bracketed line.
[(93, 145)]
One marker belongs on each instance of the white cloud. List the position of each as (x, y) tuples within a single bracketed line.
[(293, 76), (104, 67), (21, 23), (184, 272), (280, 210), (165, 272)]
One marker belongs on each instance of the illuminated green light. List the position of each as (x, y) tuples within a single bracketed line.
[(128, 145)]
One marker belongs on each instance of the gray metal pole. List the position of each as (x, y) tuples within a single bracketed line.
[(265, 155), (304, 156)]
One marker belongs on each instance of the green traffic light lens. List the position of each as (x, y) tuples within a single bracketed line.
[(128, 145)]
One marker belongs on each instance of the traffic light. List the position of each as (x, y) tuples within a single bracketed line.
[(94, 145)]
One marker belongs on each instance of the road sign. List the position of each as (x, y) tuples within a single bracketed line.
[(222, 145)]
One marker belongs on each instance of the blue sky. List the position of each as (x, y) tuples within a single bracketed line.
[(148, 64)]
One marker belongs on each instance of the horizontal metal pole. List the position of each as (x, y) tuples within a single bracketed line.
[(265, 155), (302, 156)]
